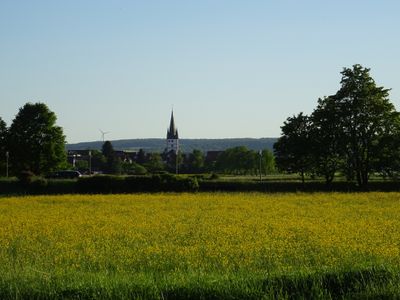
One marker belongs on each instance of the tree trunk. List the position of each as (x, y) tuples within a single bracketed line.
[(302, 177), (328, 179)]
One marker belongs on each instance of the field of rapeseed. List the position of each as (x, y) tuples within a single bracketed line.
[(200, 246)]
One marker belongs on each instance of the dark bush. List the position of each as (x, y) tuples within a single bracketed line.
[(133, 184), (26, 177), (61, 186), (214, 176), (176, 183), (142, 183), (38, 185), (101, 184), (108, 184), (292, 186)]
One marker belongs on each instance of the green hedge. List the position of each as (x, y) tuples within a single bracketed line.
[(101, 184), (291, 186), (108, 184), (133, 184)]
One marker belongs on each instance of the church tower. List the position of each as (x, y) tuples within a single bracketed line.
[(172, 136)]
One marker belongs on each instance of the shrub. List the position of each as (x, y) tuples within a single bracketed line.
[(132, 184), (98, 184), (142, 183), (214, 176), (26, 177), (178, 183)]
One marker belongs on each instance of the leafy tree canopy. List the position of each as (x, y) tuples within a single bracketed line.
[(3, 136), (113, 163), (364, 116), (355, 131), (292, 150), (35, 143)]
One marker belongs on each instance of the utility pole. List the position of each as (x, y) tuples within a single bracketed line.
[(176, 162), (90, 162), (7, 157)]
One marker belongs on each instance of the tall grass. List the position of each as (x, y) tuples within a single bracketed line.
[(200, 246)]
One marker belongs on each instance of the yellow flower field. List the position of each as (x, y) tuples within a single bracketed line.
[(205, 233)]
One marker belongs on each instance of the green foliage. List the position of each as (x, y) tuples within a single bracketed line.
[(361, 283), (3, 134), (292, 150), (174, 161), (26, 177), (132, 168), (366, 119), (154, 163), (107, 149), (130, 184), (158, 145), (113, 163), (82, 165), (195, 162), (243, 161), (98, 184), (3, 146), (267, 162), (326, 139), (356, 131), (167, 182), (141, 157), (98, 160), (176, 183), (214, 176), (35, 142), (238, 160)]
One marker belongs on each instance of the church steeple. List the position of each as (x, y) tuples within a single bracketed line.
[(172, 132), (172, 136)]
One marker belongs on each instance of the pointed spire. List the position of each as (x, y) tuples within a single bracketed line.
[(172, 123), (172, 132)]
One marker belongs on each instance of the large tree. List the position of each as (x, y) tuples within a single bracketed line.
[(154, 163), (326, 139), (367, 120), (35, 142), (237, 160), (357, 131), (292, 150), (267, 161), (195, 163), (3, 137), (113, 163)]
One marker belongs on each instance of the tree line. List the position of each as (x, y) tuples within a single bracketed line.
[(354, 133), (238, 161), (34, 143)]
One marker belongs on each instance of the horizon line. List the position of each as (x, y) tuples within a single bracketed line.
[(186, 138)]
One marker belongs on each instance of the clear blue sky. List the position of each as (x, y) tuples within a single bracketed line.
[(229, 68)]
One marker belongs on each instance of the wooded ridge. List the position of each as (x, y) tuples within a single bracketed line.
[(187, 145)]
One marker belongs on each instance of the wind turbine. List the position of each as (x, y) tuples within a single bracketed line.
[(103, 133)]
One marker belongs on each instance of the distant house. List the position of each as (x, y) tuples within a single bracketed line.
[(126, 156), (75, 155)]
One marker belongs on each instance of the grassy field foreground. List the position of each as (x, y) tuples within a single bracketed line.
[(200, 246)]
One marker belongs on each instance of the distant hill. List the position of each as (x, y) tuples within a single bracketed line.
[(187, 145)]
